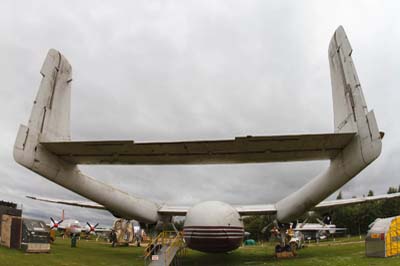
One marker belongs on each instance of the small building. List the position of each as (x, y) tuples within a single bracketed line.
[(11, 231), (8, 208), (383, 238)]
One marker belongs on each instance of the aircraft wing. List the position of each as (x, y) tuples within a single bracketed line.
[(173, 210), (86, 204), (343, 202), (270, 209), (103, 230), (248, 149), (60, 227), (256, 209), (320, 229)]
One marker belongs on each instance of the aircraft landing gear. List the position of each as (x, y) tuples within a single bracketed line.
[(293, 247), (284, 249)]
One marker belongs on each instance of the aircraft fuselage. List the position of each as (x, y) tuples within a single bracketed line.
[(213, 226)]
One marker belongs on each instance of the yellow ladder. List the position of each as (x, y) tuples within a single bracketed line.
[(165, 246)]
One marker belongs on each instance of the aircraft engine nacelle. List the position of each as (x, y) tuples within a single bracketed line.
[(75, 229), (213, 226), (332, 229)]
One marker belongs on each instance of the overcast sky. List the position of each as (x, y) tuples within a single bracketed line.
[(187, 70)]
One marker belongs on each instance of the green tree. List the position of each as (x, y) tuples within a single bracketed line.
[(339, 196), (392, 190), (370, 193), (356, 218), (255, 224)]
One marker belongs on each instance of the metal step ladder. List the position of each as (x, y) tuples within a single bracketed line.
[(165, 249)]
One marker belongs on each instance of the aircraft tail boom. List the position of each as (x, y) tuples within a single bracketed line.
[(50, 121), (350, 115)]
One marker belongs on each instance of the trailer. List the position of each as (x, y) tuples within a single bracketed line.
[(35, 236)]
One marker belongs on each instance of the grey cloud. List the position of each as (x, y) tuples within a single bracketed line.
[(173, 70)]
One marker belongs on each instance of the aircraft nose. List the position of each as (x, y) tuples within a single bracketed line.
[(213, 226)]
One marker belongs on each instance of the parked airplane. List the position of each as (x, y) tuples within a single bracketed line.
[(316, 231), (55, 224), (320, 230), (298, 232), (69, 226), (45, 147), (73, 226)]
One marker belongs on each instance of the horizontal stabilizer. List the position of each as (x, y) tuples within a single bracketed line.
[(86, 204), (239, 150)]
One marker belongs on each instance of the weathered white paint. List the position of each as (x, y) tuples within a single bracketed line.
[(213, 213), (49, 121), (350, 115)]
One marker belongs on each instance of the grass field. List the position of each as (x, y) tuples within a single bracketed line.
[(90, 253)]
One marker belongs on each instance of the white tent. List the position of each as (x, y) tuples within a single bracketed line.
[(383, 238)]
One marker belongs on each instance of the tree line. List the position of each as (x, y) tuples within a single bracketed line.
[(356, 218)]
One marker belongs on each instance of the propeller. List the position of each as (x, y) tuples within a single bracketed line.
[(300, 225), (327, 219), (92, 228), (321, 222), (273, 223), (55, 224)]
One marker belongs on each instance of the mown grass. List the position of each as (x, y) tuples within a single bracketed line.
[(90, 253)]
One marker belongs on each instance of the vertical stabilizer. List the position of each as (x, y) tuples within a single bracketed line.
[(344, 80), (350, 109), (350, 115), (50, 122), (50, 115)]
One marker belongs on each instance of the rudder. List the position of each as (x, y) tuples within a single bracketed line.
[(350, 109), (50, 115)]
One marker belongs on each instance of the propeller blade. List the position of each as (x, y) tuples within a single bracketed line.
[(304, 222), (327, 219), (320, 222), (266, 227), (52, 220), (96, 225), (90, 226)]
